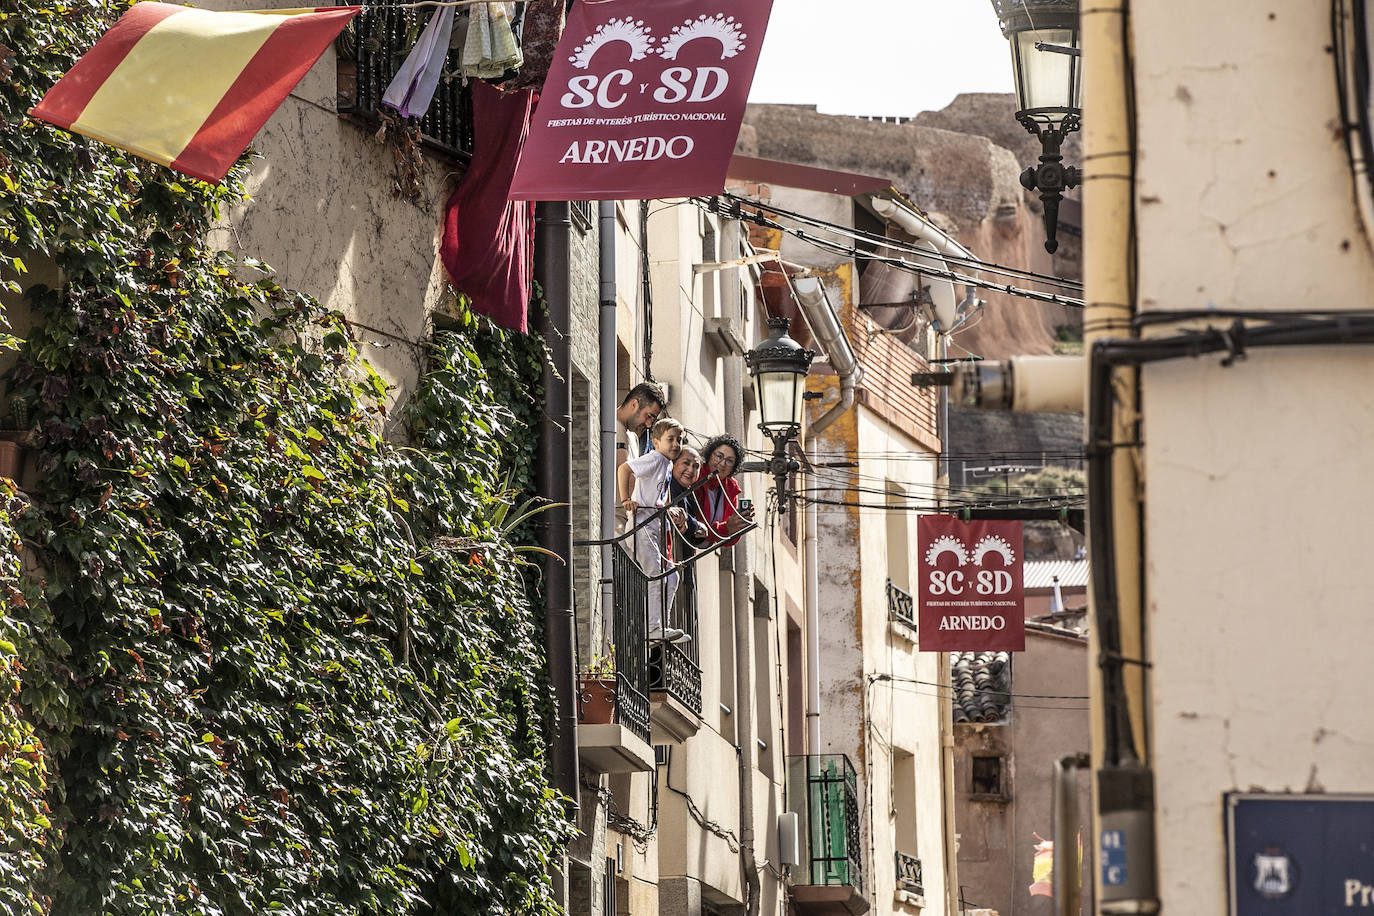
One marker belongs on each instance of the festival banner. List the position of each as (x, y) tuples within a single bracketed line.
[(644, 100), (971, 588)]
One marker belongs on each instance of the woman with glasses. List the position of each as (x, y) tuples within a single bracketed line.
[(718, 500)]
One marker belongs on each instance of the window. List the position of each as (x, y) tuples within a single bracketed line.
[(987, 776), (583, 214), (904, 800), (372, 48)]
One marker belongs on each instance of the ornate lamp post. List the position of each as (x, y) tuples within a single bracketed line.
[(779, 366), (1044, 39)]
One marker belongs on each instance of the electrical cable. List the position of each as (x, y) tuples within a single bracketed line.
[(883, 241), (917, 269)]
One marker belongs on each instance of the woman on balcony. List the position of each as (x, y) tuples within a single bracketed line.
[(718, 501)]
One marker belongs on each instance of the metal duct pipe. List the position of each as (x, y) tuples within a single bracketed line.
[(943, 299), (1038, 383)]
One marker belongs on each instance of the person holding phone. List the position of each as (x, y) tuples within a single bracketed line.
[(718, 501)]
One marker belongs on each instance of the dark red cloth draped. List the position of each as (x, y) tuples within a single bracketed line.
[(488, 244)]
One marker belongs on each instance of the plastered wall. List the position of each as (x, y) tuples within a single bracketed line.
[(1256, 476)]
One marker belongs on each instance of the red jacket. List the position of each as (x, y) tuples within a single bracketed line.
[(716, 502)]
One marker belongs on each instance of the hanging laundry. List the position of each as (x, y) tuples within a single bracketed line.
[(488, 243), (413, 87), (539, 40), (491, 48)]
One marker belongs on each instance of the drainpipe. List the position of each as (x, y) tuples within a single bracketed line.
[(553, 224), (1123, 787), (826, 328), (742, 573), (947, 784), (606, 333)]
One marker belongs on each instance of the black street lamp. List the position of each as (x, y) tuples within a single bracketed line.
[(779, 366), (1044, 39)]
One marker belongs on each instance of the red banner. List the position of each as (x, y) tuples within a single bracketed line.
[(644, 100), (971, 588)]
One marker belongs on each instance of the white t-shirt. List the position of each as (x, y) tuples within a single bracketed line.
[(652, 471), (631, 441)]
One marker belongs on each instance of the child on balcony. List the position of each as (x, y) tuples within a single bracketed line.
[(643, 488)]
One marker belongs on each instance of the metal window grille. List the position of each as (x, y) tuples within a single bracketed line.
[(909, 877), (371, 50), (583, 214), (900, 605)]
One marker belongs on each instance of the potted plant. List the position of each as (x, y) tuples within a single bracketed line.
[(596, 693)]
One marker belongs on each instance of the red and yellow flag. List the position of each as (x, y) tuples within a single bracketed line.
[(190, 88)]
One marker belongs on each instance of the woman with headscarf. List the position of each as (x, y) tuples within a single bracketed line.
[(718, 499)]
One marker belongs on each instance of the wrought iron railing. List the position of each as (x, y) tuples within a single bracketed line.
[(674, 667), (909, 877), (900, 605), (831, 819), (373, 48), (630, 628)]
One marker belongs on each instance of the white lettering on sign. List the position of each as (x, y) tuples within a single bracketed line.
[(676, 84), (1355, 889), (639, 149), (972, 622)]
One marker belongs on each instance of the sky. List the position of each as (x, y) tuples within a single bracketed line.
[(880, 57)]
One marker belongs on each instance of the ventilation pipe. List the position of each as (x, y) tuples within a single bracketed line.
[(825, 327), (948, 308)]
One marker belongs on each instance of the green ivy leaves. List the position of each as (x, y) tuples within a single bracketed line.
[(240, 620)]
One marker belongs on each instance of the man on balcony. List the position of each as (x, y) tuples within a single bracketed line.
[(636, 416)]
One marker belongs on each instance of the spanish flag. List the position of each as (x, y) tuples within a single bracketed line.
[(189, 88)]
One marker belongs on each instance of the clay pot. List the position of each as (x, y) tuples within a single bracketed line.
[(596, 697)]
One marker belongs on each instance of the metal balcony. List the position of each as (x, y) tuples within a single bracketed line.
[(900, 605), (830, 823), (674, 668), (631, 650), (371, 50), (613, 710)]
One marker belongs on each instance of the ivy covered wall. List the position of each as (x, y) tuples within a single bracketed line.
[(261, 659)]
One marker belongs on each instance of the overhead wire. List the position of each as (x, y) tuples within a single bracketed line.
[(918, 269), (882, 241)]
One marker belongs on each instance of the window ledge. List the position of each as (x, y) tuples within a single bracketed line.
[(902, 629), (909, 901), (989, 797)]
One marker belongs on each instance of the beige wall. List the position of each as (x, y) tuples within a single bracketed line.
[(1255, 475), (693, 861), (323, 216)]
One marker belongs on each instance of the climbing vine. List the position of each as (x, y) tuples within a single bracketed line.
[(263, 660)]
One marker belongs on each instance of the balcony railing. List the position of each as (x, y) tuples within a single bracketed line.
[(909, 877), (830, 821), (631, 631), (372, 49), (674, 667), (900, 605)]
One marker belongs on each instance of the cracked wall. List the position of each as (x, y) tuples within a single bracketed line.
[(1254, 493)]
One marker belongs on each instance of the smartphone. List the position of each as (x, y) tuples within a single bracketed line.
[(745, 504)]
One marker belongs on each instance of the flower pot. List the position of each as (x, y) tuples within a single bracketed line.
[(11, 460), (596, 698)]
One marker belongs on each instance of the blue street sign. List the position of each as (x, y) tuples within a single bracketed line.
[(1300, 855)]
